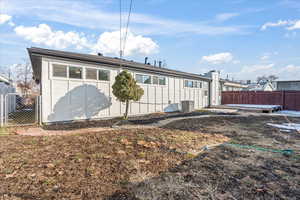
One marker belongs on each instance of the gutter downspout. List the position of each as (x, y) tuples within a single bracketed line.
[(209, 93)]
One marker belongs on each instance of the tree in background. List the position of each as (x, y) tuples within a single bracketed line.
[(126, 89), (262, 80), (22, 77)]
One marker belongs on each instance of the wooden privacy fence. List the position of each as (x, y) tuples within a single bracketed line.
[(289, 100)]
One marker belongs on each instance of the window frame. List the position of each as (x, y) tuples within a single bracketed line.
[(98, 75), (82, 72), (195, 84), (165, 79), (158, 80), (93, 68), (143, 75), (51, 71)]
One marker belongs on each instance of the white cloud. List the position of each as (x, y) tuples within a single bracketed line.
[(226, 16), (289, 24), (44, 35), (94, 16), (276, 24), (107, 43), (250, 72), (265, 57), (296, 25), (219, 58), (6, 19)]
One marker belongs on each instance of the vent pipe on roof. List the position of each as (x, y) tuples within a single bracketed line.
[(100, 54), (154, 63), (146, 60), (159, 64)]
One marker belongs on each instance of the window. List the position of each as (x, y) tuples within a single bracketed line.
[(59, 70), (75, 72), (162, 80), (146, 79), (91, 74), (159, 80), (155, 80), (198, 84), (192, 84), (186, 83), (103, 75), (189, 84), (205, 93), (139, 78)]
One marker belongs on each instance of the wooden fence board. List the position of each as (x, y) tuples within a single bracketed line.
[(289, 100)]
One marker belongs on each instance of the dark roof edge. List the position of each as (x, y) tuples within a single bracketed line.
[(110, 60), (228, 81), (288, 81)]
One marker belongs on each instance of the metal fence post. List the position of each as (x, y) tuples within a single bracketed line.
[(40, 110)]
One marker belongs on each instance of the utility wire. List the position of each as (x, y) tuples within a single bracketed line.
[(120, 6), (127, 25)]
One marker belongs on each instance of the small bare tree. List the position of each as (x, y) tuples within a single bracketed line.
[(264, 79)]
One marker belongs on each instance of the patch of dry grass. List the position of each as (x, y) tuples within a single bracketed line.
[(94, 165)]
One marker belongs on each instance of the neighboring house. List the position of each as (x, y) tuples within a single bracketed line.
[(232, 85), (261, 87), (287, 85), (6, 88), (79, 86), (5, 80)]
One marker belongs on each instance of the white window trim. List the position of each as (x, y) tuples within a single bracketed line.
[(82, 73), (193, 88), (109, 75), (158, 76), (88, 78), (55, 77), (84, 67), (142, 74)]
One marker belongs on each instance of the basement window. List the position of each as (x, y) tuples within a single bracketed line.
[(75, 72), (103, 75), (91, 73), (59, 70)]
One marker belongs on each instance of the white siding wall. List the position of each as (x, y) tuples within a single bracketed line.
[(66, 99)]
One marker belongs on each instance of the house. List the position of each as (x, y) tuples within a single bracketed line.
[(287, 85), (261, 87), (5, 80), (228, 85), (79, 86)]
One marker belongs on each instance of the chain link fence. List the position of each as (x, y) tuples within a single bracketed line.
[(19, 110)]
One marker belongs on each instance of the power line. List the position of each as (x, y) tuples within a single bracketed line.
[(127, 25), (120, 6)]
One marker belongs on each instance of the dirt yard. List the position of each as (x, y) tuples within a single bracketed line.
[(91, 165), (232, 171), (158, 163)]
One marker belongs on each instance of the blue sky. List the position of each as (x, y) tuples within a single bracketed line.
[(241, 38)]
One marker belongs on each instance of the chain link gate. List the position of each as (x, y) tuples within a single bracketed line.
[(20, 110)]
